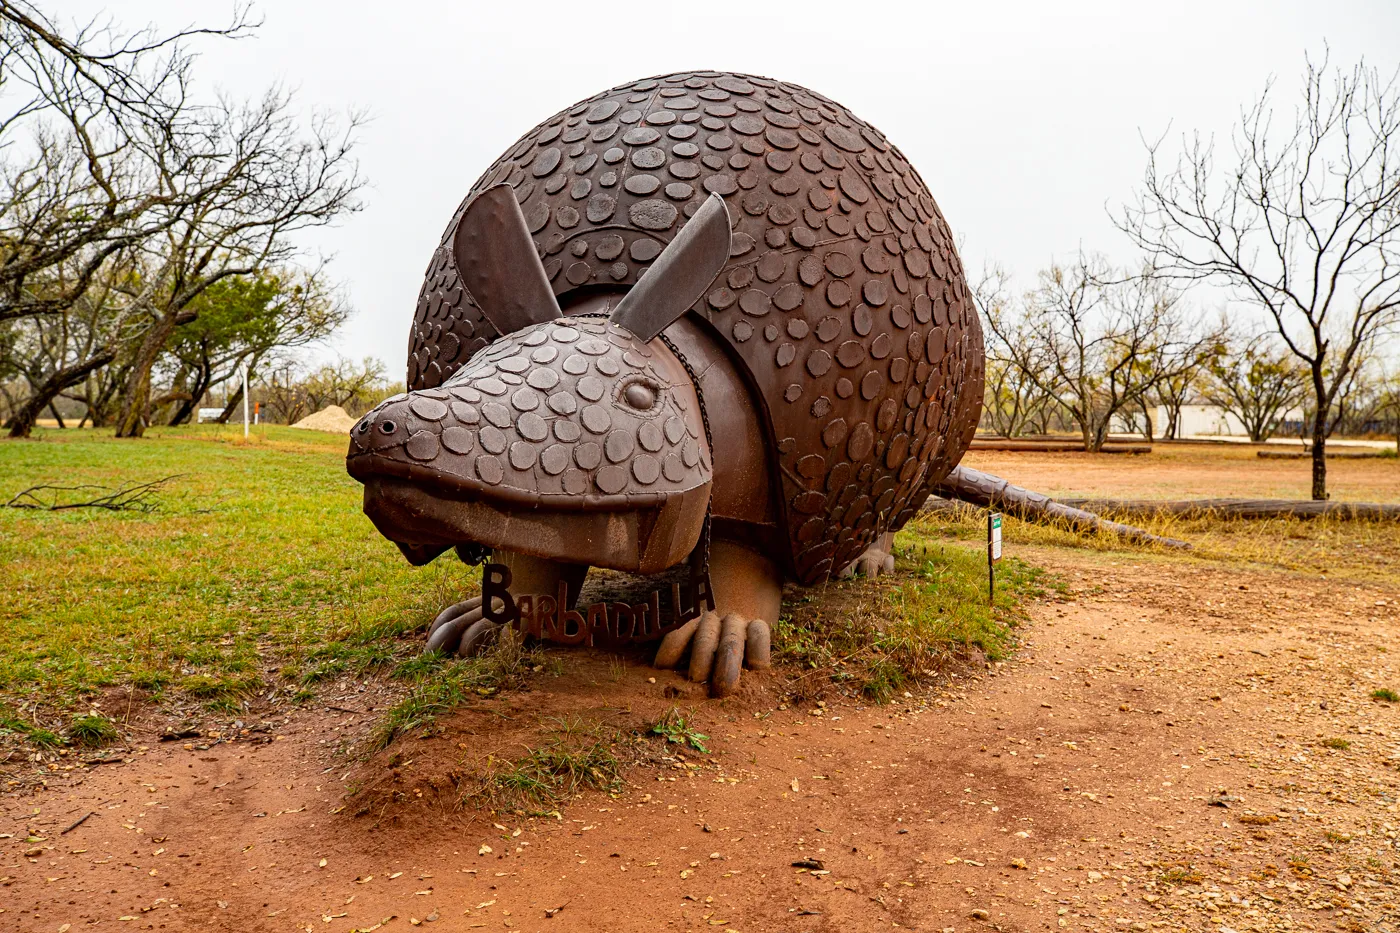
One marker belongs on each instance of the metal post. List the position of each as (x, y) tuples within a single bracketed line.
[(991, 566), (245, 399)]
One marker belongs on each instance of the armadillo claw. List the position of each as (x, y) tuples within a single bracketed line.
[(870, 564), (452, 612), (729, 656), (758, 646), (673, 646), (446, 637), (703, 647)]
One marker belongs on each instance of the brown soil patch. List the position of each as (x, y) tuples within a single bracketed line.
[(1189, 472), (1176, 747)]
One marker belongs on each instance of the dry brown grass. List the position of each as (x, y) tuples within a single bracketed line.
[(1354, 550)]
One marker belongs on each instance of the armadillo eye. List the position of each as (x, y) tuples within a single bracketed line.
[(639, 395), (387, 427)]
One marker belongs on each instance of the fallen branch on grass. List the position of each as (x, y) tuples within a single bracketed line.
[(135, 497), (993, 492)]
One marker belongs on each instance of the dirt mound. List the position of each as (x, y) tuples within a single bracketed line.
[(332, 418)]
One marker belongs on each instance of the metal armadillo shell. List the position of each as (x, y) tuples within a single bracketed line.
[(844, 295)]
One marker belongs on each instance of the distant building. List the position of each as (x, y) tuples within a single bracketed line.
[(1197, 421)]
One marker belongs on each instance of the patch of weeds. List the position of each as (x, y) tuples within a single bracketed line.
[(1332, 835), (440, 684), (44, 738), (1181, 874), (575, 757), (1337, 743), (1385, 695), (93, 731), (677, 730), (1298, 864), (1257, 819), (219, 691), (337, 657), (153, 681), (879, 637)]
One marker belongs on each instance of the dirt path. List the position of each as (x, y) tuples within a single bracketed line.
[(1078, 787)]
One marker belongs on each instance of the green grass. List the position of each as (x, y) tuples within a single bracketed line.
[(880, 640), (440, 684), (257, 570), (38, 735), (92, 731), (1385, 695), (574, 756), (1338, 743)]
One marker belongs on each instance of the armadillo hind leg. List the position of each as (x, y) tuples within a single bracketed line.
[(875, 560), (993, 492)]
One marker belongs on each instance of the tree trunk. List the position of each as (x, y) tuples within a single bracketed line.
[(190, 405), (992, 492), (22, 424), (1319, 454), (131, 419), (233, 402), (53, 410)]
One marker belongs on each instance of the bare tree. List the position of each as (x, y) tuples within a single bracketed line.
[(123, 165), (1302, 222), (290, 391), (1016, 367), (1105, 340), (1257, 381), (84, 119), (260, 182)]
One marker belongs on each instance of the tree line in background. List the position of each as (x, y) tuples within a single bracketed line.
[(1296, 223), (147, 233), (147, 255)]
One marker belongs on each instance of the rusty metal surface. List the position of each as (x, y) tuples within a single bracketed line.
[(843, 298)]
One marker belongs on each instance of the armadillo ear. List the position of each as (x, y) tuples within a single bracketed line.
[(498, 264), (680, 274)]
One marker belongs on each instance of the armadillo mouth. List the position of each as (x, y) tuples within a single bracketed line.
[(645, 536)]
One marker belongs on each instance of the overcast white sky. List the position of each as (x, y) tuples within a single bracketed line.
[(1024, 118)]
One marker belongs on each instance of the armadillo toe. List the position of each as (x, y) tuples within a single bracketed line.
[(729, 656), (758, 646), (674, 644), (452, 612), (481, 635)]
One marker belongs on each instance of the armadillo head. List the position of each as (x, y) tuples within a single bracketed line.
[(570, 439), (577, 438)]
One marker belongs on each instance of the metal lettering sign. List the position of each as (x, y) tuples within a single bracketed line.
[(604, 625), (994, 535)]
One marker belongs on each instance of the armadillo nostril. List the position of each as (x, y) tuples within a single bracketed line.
[(639, 395)]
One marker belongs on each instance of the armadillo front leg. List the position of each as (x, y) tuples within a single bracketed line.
[(462, 629), (748, 590)]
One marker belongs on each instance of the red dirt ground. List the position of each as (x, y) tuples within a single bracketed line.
[(1156, 757)]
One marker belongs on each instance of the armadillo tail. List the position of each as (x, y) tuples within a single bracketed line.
[(993, 492)]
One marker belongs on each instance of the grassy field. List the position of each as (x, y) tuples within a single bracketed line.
[(257, 571), (257, 554)]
